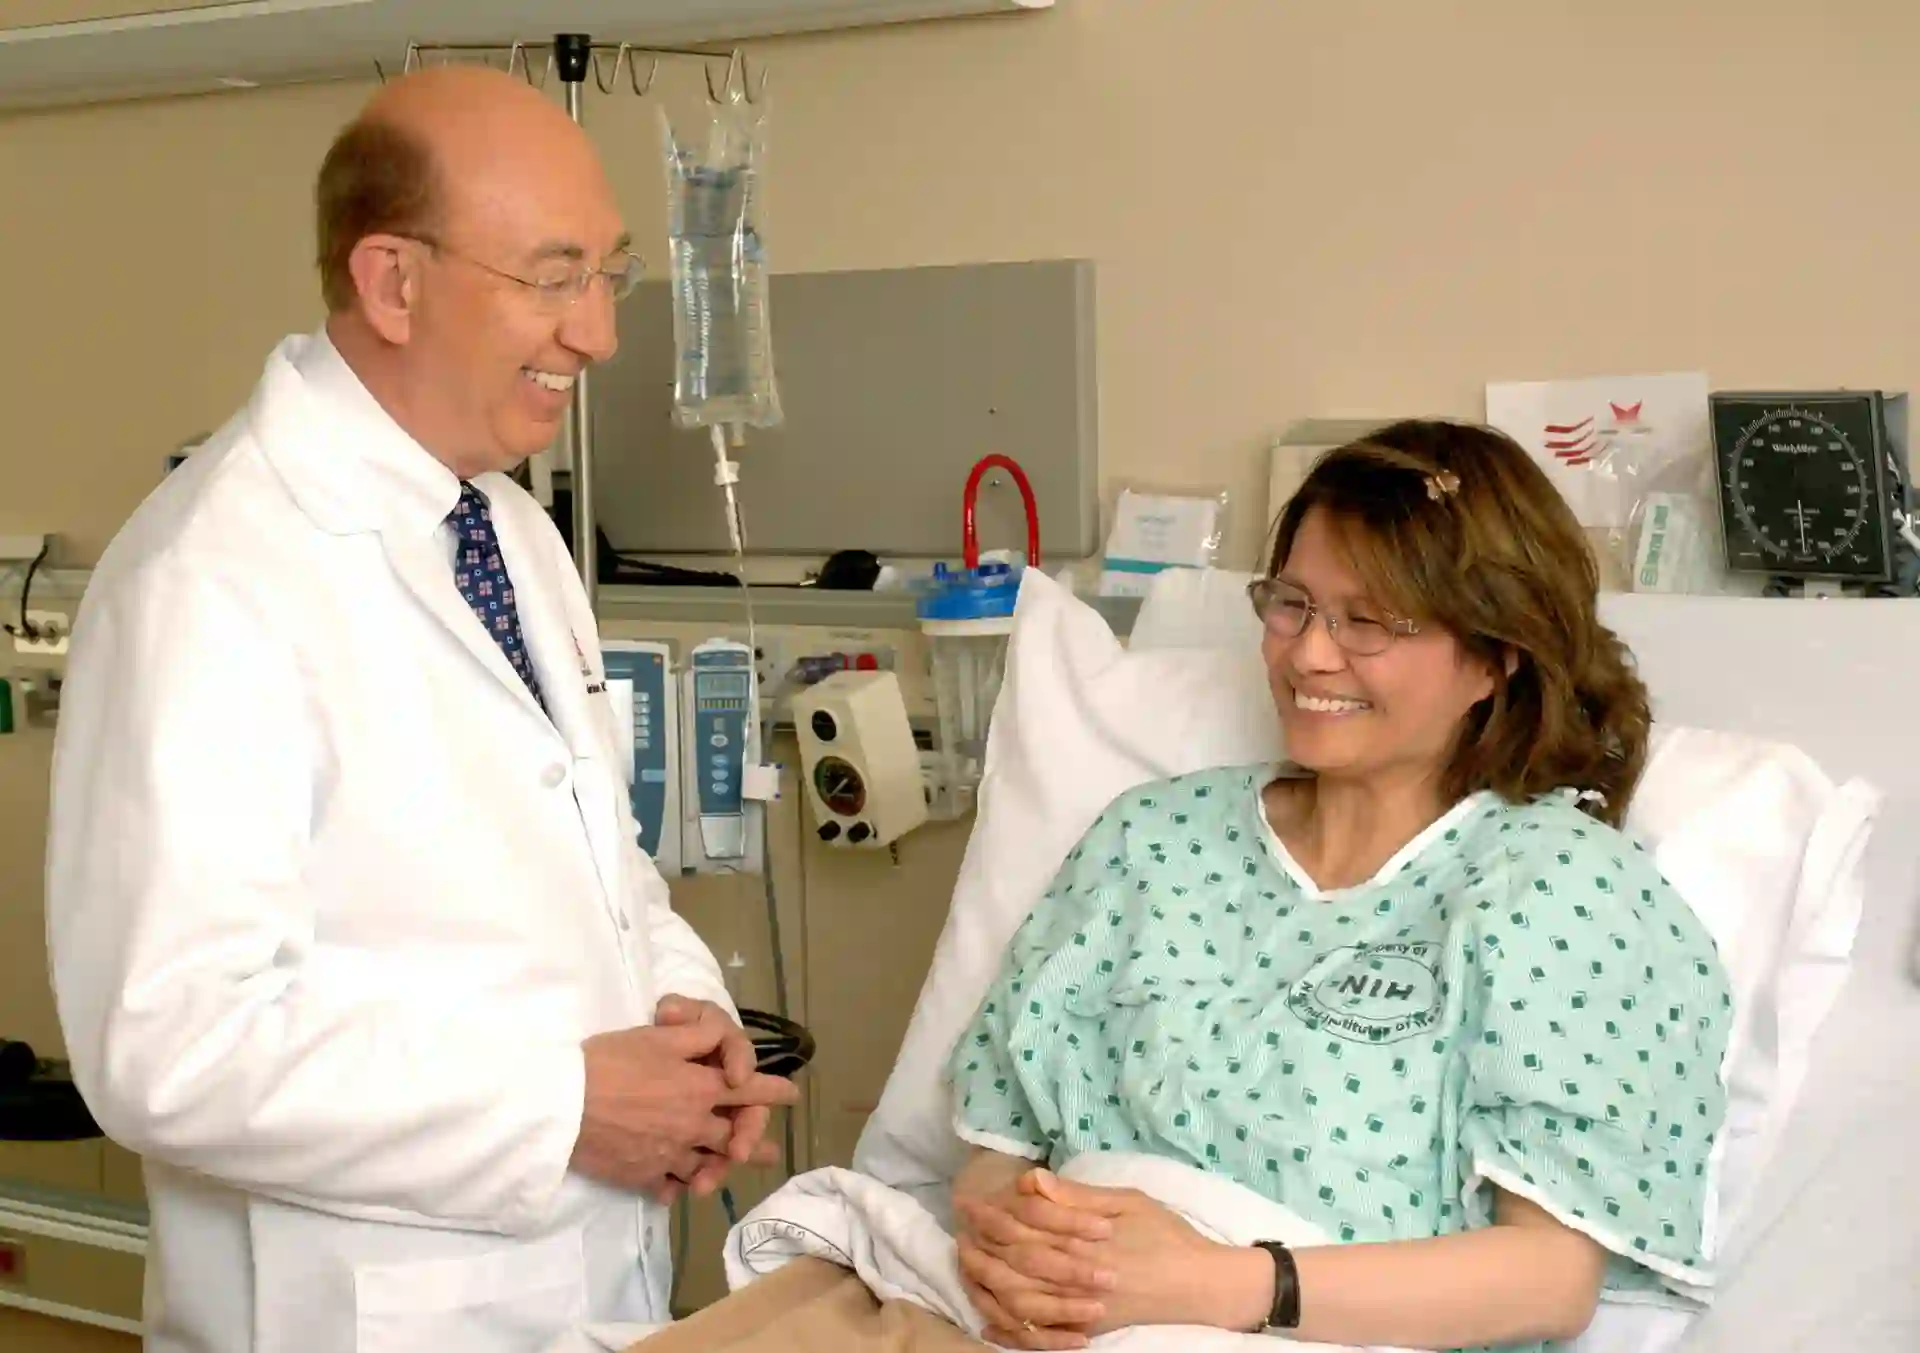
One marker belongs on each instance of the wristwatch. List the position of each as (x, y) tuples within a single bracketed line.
[(1285, 1313)]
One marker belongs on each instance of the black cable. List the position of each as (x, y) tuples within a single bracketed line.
[(25, 630), (779, 964)]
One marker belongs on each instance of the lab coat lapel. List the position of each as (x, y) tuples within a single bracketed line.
[(422, 566), (560, 662), (557, 657), (352, 469)]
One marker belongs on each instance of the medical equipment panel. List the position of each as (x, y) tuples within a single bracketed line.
[(893, 380), (860, 765), (640, 674), (721, 745)]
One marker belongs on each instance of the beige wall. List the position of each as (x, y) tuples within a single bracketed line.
[(1316, 208), (1313, 208)]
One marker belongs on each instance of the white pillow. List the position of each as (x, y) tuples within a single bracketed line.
[(1753, 834), (1078, 721), (1769, 853)]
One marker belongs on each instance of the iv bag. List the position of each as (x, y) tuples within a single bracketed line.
[(722, 333)]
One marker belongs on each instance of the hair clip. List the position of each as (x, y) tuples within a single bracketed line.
[(1579, 796), (1445, 482)]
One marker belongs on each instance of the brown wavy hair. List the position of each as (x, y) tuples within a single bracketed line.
[(1454, 525)]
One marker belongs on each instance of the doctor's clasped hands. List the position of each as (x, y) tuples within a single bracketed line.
[(675, 1105)]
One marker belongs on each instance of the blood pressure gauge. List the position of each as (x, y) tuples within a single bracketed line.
[(1810, 483)]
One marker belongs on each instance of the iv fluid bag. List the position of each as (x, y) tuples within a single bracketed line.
[(722, 332)]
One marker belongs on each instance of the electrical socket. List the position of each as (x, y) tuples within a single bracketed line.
[(51, 626)]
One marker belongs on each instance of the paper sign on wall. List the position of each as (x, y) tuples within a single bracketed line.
[(1608, 441), (1155, 531)]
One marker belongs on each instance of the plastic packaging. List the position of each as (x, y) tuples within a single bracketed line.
[(722, 322), (1153, 531), (1675, 545), (1671, 541)]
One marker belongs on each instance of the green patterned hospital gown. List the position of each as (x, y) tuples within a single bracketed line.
[(1518, 997)]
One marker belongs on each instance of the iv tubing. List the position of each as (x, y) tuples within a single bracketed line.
[(726, 474)]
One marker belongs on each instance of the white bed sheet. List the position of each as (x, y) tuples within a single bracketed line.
[(903, 1252)]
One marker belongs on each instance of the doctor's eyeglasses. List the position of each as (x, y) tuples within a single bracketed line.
[(1287, 610), (561, 283)]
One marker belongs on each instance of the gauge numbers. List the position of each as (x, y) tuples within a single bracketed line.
[(1802, 489)]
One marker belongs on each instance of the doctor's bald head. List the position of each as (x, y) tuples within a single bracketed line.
[(470, 249)]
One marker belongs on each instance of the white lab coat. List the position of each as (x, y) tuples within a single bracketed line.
[(331, 903)]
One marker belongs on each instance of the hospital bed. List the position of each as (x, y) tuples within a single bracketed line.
[(1783, 797)]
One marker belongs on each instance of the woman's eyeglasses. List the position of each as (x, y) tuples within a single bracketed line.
[(1287, 610)]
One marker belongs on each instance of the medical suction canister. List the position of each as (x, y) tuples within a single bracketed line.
[(967, 618)]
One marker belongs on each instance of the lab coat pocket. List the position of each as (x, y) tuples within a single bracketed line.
[(516, 1298)]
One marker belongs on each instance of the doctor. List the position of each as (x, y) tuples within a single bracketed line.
[(349, 935)]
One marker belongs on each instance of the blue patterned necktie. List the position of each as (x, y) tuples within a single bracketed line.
[(483, 581)]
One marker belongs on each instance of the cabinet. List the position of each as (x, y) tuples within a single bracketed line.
[(55, 52)]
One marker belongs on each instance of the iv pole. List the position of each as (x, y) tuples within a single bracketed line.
[(572, 52), (571, 56)]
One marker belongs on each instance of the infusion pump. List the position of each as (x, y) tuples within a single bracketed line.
[(694, 733), (723, 720), (694, 706)]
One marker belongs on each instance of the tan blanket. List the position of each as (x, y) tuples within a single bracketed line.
[(810, 1306)]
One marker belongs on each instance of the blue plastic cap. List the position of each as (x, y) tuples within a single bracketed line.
[(985, 593)]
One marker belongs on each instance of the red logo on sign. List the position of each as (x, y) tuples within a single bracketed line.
[(1572, 443)]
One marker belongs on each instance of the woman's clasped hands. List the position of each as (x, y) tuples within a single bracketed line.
[(1050, 1264)]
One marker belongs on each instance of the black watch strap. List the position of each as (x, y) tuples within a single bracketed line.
[(1285, 1314)]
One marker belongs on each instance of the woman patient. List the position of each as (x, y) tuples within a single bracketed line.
[(1415, 986)]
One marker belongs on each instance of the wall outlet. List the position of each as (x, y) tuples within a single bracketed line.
[(48, 630)]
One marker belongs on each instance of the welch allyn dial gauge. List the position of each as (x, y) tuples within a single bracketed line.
[(841, 787), (1810, 483)]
